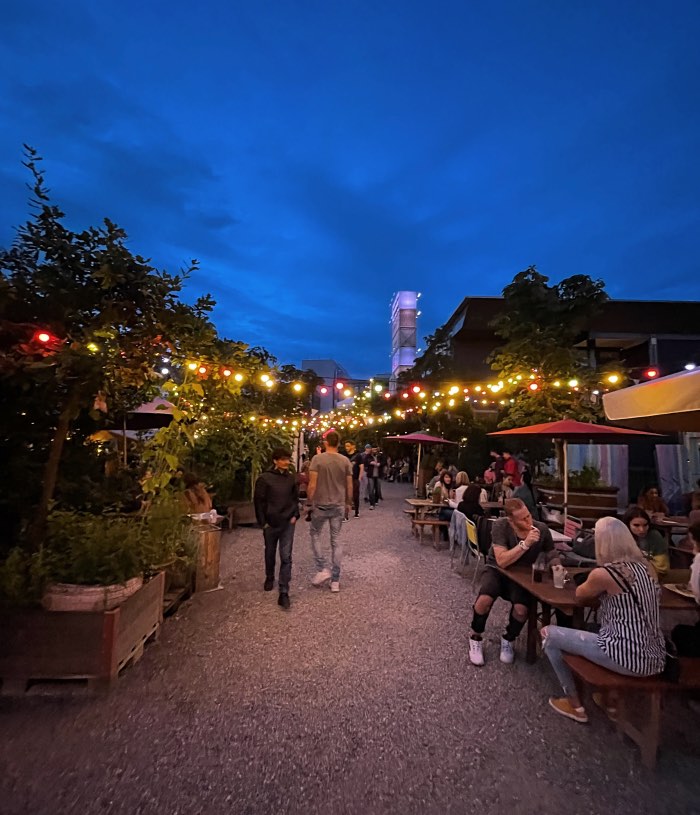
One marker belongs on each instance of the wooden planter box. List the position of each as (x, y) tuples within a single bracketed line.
[(90, 645), (589, 504), (241, 512)]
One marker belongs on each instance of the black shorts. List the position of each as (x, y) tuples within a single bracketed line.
[(494, 584)]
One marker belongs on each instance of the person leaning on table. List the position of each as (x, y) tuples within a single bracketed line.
[(630, 640), (515, 540)]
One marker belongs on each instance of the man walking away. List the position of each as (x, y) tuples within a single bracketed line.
[(355, 458), (330, 494), (276, 499)]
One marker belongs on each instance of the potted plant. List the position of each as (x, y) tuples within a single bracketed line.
[(103, 567), (589, 497)]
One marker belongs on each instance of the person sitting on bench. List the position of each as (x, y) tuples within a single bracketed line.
[(687, 637), (630, 640)]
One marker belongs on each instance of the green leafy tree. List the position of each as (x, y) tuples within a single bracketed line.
[(82, 323), (540, 325)]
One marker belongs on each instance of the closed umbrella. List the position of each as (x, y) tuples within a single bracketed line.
[(567, 430)]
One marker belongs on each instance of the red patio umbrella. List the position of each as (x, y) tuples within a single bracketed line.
[(567, 430), (420, 439)]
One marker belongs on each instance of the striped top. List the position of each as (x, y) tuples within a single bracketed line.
[(630, 633)]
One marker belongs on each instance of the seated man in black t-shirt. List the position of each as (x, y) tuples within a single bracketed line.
[(514, 539)]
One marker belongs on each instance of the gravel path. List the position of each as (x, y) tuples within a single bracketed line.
[(362, 702)]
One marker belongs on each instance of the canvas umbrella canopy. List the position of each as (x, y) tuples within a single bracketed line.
[(148, 416), (669, 404), (566, 430), (420, 439)]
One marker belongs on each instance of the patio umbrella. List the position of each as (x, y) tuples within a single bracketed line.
[(420, 439), (148, 416), (567, 430), (669, 404)]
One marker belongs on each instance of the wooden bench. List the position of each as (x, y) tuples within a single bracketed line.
[(430, 523), (645, 731), (412, 515)]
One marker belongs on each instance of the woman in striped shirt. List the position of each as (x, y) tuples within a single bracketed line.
[(630, 640)]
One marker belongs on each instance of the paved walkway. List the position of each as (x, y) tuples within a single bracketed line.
[(355, 704)]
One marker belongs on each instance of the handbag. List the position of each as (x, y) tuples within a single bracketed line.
[(672, 666)]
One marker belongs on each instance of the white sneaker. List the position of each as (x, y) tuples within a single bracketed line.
[(335, 586), (507, 651), (320, 577), (476, 651)]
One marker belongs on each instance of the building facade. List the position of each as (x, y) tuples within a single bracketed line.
[(404, 318)]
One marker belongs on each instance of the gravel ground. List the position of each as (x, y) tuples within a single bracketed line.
[(361, 702)]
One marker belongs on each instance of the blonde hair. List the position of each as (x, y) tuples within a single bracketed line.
[(614, 542), (461, 479)]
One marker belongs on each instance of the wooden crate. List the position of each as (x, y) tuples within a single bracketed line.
[(92, 646)]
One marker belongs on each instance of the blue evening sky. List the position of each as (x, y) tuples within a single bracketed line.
[(316, 157)]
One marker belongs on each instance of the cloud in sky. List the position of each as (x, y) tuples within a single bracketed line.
[(317, 159)]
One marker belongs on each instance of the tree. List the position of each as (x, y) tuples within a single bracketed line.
[(83, 323), (540, 325)]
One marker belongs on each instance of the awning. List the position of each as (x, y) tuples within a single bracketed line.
[(666, 405)]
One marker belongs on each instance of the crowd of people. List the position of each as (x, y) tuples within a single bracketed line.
[(630, 557)]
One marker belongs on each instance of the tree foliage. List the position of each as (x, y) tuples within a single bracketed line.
[(540, 325)]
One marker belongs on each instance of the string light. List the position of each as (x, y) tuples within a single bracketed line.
[(238, 377)]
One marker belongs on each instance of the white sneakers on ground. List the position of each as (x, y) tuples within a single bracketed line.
[(476, 651), (335, 586), (320, 577), (507, 651)]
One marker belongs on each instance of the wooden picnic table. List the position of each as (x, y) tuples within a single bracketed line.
[(564, 599), (422, 507)]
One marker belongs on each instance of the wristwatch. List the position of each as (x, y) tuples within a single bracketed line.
[(523, 546)]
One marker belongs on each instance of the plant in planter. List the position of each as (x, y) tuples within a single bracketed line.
[(587, 477)]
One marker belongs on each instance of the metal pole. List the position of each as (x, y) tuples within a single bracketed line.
[(420, 447), (565, 452)]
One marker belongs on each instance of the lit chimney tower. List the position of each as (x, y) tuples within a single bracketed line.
[(403, 333)]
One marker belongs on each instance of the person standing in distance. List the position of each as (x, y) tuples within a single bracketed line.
[(358, 467), (276, 500), (330, 496)]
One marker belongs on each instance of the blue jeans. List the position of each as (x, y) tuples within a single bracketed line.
[(332, 513), (284, 537), (557, 641)]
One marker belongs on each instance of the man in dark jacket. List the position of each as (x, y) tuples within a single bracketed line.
[(277, 510)]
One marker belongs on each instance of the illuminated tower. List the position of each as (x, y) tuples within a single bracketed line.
[(403, 332)]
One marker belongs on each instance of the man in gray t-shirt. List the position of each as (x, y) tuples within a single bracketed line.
[(330, 495)]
